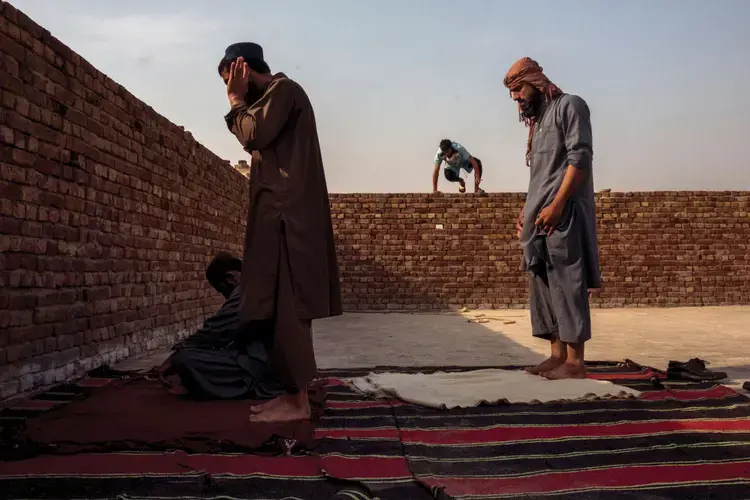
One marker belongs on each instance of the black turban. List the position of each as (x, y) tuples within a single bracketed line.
[(245, 50)]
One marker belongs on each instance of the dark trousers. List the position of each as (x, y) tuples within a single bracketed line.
[(452, 176)]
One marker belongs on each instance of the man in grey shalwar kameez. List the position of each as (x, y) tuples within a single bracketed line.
[(557, 226), (215, 362)]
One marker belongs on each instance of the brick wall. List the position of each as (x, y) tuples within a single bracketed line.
[(656, 249), (109, 214)]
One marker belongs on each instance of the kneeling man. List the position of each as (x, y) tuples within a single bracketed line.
[(215, 362)]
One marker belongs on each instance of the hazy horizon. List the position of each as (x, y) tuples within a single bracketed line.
[(665, 80)]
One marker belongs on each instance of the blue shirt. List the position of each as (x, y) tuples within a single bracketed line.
[(459, 160)]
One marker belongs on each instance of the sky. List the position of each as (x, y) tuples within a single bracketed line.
[(666, 80)]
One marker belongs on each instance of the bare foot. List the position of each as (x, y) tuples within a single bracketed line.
[(566, 370), (177, 390), (266, 405), (286, 408), (546, 366)]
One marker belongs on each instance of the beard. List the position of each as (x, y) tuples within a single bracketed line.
[(253, 94), (530, 108)]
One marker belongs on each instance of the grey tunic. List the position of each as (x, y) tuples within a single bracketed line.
[(562, 137), (564, 265), (218, 330)]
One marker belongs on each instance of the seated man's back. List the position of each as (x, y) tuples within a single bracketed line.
[(218, 330)]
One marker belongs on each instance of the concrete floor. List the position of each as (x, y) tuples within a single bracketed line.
[(719, 335)]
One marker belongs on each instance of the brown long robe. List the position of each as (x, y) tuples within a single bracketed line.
[(289, 231)]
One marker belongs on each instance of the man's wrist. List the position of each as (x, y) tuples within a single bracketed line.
[(558, 202), (235, 100)]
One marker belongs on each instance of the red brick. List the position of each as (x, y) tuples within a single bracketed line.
[(47, 167), (70, 327), (15, 353), (13, 49), (59, 48), (13, 173), (9, 225), (6, 135), (27, 24), (34, 62), (18, 122), (46, 134), (23, 158)]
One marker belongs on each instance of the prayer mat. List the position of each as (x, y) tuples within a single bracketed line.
[(489, 386), (680, 440), (120, 411)]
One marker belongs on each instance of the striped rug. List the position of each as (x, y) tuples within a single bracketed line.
[(681, 441)]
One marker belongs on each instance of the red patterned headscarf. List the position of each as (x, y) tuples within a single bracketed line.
[(527, 70)]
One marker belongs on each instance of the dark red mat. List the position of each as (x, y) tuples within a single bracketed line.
[(137, 414), (682, 440)]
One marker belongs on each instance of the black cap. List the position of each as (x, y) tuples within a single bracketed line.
[(246, 50)]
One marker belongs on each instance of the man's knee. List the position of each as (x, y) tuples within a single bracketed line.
[(451, 176)]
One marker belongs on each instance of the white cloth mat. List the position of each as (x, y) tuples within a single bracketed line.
[(472, 388)]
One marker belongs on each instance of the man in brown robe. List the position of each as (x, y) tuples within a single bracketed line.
[(289, 273)]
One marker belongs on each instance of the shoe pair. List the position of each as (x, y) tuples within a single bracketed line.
[(694, 369)]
